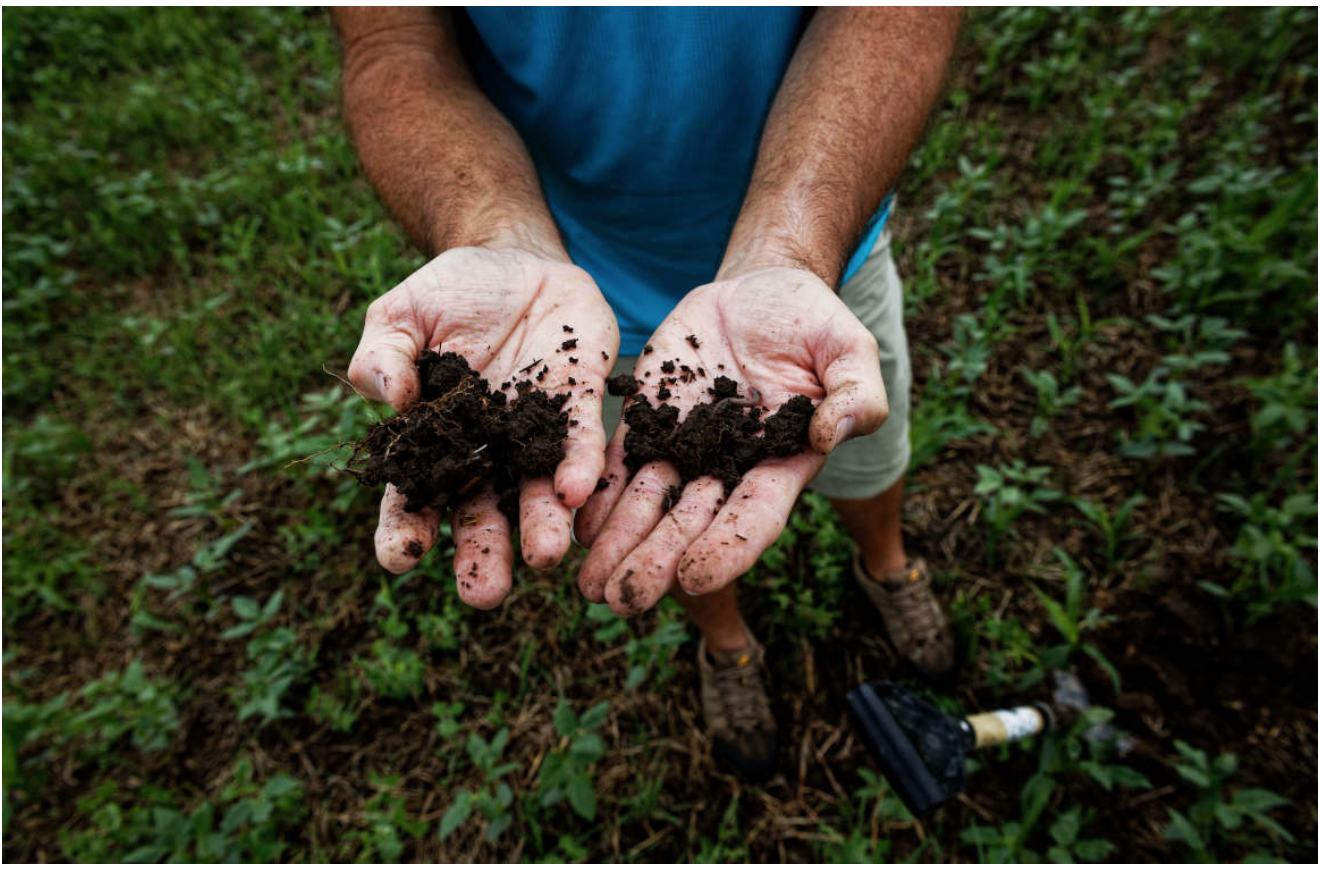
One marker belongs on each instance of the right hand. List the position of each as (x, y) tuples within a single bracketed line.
[(501, 309)]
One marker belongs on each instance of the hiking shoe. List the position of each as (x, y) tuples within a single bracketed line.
[(737, 711), (913, 617)]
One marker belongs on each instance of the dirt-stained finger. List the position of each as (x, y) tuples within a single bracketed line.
[(649, 571), (641, 505), (483, 551), (402, 538), (544, 522), (584, 450), (750, 521), (592, 515)]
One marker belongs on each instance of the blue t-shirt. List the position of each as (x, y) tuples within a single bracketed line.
[(644, 125)]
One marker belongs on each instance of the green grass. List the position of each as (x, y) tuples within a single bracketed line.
[(1108, 242)]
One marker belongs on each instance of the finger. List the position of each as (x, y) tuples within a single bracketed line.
[(384, 366), (855, 401), (592, 515), (483, 551), (584, 451), (403, 537), (637, 511), (750, 521), (545, 523), (648, 573)]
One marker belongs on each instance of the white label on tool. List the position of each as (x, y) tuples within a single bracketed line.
[(1020, 722)]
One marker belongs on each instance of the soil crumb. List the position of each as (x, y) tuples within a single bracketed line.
[(622, 385)]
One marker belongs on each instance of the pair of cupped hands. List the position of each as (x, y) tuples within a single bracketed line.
[(777, 330)]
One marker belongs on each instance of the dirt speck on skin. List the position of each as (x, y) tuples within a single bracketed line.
[(627, 593), (462, 435), (414, 548)]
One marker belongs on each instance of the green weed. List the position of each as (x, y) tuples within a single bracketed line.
[(388, 824), (155, 828), (1215, 821), (566, 773), (494, 800), (1009, 492)]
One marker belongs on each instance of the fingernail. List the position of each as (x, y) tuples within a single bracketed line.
[(381, 383), (843, 430)]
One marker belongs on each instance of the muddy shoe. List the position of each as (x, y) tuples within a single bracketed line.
[(738, 717), (913, 617)]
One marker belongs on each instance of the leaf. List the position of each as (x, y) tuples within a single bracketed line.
[(566, 721), (1228, 816), (582, 796), (589, 746), (477, 749), (498, 825), (553, 775), (1257, 800), (1036, 795), (245, 608), (1271, 825), (1126, 776), (1103, 662), (1058, 616), (239, 630), (212, 556), (457, 814), (1093, 850), (272, 605), (1181, 830), (497, 744), (1066, 829), (595, 716)]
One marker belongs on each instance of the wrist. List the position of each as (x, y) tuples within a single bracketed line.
[(770, 252), (498, 228), (790, 238)]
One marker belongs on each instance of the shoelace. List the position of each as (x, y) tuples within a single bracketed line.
[(740, 697)]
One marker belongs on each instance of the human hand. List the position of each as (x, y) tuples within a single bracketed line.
[(777, 331), (502, 310)]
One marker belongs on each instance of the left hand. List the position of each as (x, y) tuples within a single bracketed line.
[(780, 331)]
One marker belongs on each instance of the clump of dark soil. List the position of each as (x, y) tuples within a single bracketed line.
[(622, 385), (725, 437), (461, 435)]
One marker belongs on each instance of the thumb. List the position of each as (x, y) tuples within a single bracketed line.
[(384, 367), (855, 401)]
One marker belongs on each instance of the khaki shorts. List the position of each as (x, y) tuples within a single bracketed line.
[(865, 466)]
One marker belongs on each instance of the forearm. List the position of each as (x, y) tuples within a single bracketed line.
[(851, 107), (445, 161)]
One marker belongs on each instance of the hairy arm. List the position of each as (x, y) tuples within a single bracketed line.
[(497, 291), (852, 105), (445, 161)]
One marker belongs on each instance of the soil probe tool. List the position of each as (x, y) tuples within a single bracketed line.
[(922, 751)]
